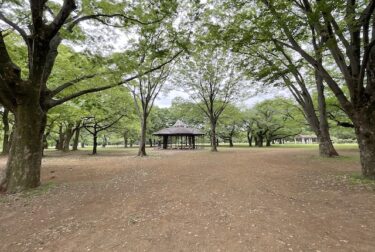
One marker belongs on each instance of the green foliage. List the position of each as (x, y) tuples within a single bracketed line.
[(275, 119), (230, 123)]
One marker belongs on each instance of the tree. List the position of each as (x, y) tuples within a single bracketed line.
[(271, 63), (103, 112), (187, 111), (278, 68), (274, 119), (26, 93), (212, 80), (230, 124), (346, 30), (144, 92)]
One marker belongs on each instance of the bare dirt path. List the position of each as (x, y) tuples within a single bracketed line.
[(234, 200)]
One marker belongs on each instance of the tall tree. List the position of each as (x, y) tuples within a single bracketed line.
[(27, 94), (273, 63), (212, 79), (277, 67), (347, 31), (145, 90)]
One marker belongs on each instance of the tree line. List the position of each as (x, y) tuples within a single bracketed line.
[(217, 52)]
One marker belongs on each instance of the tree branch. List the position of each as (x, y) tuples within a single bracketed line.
[(98, 17), (53, 103), (71, 83), (61, 17), (15, 27)]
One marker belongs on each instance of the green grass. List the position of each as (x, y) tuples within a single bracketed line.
[(43, 188), (359, 179), (291, 145)]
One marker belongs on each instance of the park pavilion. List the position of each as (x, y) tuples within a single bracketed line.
[(179, 136)]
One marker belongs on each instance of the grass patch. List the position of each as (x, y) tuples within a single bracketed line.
[(43, 188), (359, 179), (344, 158)]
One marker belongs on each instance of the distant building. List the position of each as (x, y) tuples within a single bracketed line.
[(179, 136), (305, 139)]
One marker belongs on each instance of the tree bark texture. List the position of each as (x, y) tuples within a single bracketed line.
[(142, 142), (25, 156), (76, 136), (213, 137)]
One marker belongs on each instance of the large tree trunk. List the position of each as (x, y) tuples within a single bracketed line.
[(366, 141), (326, 148), (67, 137), (76, 137), (231, 141), (268, 143), (6, 142), (260, 140), (25, 156), (142, 143), (213, 137), (256, 140)]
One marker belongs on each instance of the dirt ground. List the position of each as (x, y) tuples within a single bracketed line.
[(278, 199)]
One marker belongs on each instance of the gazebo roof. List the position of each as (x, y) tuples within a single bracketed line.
[(179, 128)]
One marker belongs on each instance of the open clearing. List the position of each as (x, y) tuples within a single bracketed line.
[(274, 199)]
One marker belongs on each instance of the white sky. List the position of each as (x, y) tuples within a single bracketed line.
[(165, 100)]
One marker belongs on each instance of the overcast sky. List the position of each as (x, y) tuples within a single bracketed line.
[(165, 100)]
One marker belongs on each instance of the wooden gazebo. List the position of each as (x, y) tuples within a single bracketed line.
[(179, 136)]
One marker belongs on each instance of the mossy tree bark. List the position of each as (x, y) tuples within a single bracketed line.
[(24, 162)]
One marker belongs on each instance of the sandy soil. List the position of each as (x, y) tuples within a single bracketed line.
[(234, 200)]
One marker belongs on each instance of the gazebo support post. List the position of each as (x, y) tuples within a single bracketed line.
[(165, 142)]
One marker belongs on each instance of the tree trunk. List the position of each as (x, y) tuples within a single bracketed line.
[(366, 141), (6, 139), (260, 140), (76, 137), (95, 143), (213, 137), (326, 148), (150, 142), (142, 143), (25, 155), (67, 137), (268, 143), (231, 142), (249, 139), (60, 142), (125, 140)]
